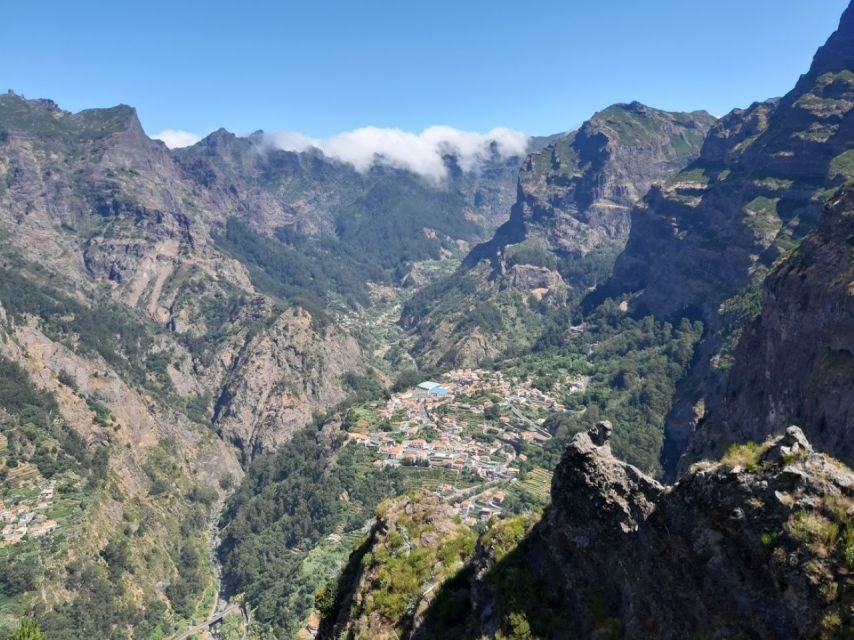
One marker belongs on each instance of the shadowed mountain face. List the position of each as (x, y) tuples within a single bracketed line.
[(713, 230), (618, 554), (569, 222), (795, 363)]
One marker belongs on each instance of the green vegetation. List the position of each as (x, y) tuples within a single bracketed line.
[(27, 630), (813, 528), (401, 219), (49, 127), (530, 251), (35, 434), (410, 557), (632, 368), (842, 165), (747, 455), (298, 270), (763, 218), (287, 503)]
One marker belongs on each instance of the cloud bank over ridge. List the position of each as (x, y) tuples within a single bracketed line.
[(420, 153)]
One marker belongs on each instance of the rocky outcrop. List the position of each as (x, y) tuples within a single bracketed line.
[(755, 546), (392, 579), (529, 279), (796, 363), (757, 189)]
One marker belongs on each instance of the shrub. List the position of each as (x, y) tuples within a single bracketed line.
[(813, 529), (67, 379), (745, 455)]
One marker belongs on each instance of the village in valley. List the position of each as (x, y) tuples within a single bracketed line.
[(472, 421)]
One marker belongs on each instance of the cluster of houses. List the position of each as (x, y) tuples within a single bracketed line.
[(485, 505), (425, 432), (26, 518)]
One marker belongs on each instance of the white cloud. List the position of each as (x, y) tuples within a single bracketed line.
[(175, 139), (420, 153)]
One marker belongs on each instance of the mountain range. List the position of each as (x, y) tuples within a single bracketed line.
[(194, 342)]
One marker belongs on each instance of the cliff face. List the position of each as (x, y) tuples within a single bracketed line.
[(713, 555), (577, 193), (760, 182), (278, 377), (756, 546), (570, 220), (796, 363), (757, 189), (90, 197)]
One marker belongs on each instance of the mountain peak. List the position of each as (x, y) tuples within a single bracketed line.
[(836, 55)]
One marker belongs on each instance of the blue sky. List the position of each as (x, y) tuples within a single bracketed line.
[(325, 67)]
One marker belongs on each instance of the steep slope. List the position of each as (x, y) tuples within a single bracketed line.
[(759, 545), (415, 540), (90, 197), (570, 219), (90, 421), (710, 232), (796, 362)]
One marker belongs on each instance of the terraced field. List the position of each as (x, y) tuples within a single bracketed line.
[(538, 483)]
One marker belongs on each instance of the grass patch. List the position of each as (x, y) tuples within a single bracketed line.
[(745, 455)]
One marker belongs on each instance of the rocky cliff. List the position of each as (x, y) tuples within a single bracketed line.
[(89, 196), (569, 222), (576, 194), (701, 239), (796, 362), (758, 545)]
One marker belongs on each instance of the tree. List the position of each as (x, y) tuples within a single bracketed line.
[(28, 630)]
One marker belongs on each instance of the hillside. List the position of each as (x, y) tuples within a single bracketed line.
[(166, 317), (569, 222)]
